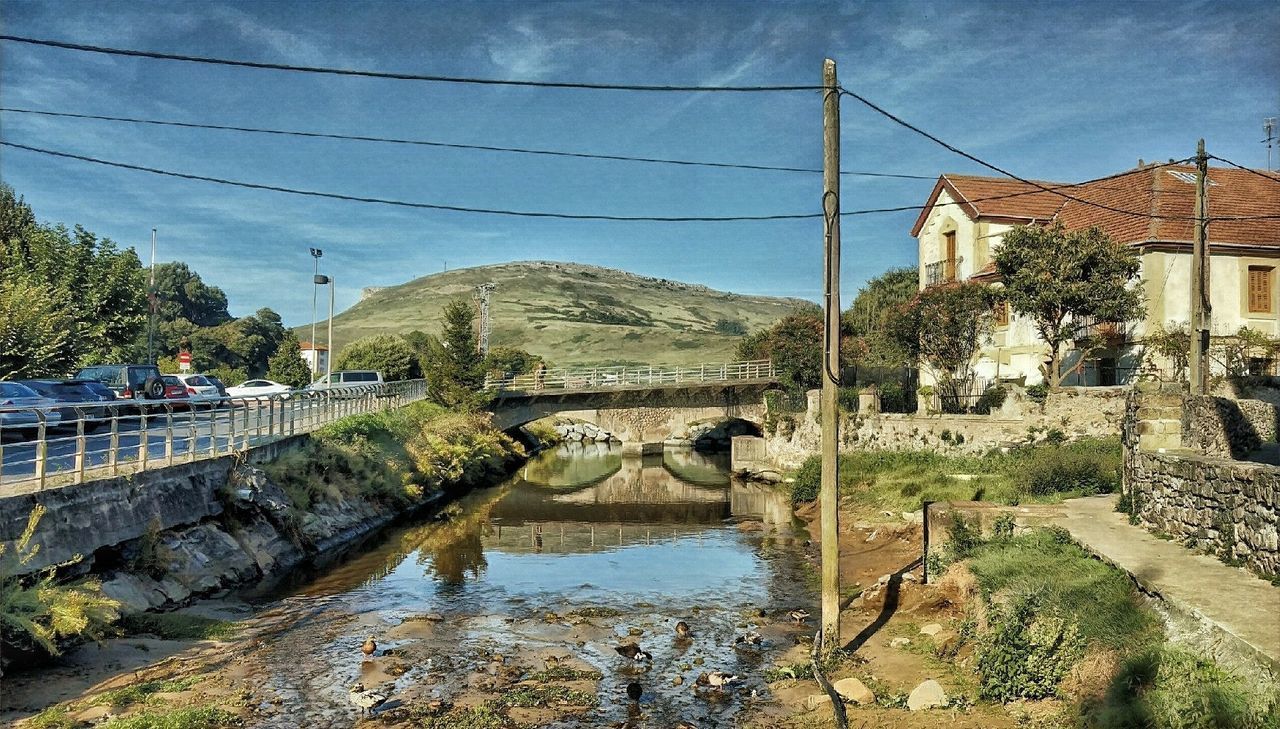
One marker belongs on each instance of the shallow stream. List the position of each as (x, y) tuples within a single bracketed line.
[(579, 552)]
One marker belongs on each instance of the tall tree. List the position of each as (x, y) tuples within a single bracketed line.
[(98, 289), (452, 365), (35, 331), (1060, 279), (286, 366), (794, 344), (943, 328), (880, 298)]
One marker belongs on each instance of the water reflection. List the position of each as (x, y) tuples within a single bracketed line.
[(655, 539)]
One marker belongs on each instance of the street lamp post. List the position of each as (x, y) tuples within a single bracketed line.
[(321, 280), (316, 253)]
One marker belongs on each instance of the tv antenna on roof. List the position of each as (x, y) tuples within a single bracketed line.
[(1269, 129)]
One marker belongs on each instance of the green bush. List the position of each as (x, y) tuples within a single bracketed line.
[(992, 398), (963, 536), (1038, 393), (1086, 468), (808, 480), (1026, 651), (847, 397), (893, 398)]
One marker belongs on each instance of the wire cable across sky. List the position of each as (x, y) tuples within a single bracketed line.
[(454, 145), (580, 85)]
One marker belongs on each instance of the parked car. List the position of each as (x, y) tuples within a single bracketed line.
[(200, 389), (129, 381), (17, 408), (347, 378), (258, 388), (82, 398), (176, 389)]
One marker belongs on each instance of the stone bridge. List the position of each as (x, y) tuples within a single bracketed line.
[(638, 415)]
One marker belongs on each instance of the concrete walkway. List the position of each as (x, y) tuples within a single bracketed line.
[(1240, 611)]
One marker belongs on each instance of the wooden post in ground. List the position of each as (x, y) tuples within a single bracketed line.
[(1201, 309), (830, 493)]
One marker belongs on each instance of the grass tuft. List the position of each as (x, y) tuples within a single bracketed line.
[(177, 626)]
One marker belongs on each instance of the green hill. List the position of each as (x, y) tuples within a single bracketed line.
[(572, 314)]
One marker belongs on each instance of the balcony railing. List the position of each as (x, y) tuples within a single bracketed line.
[(940, 272), (1095, 329)]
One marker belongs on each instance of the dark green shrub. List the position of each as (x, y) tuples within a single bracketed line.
[(1076, 470), (808, 480), (992, 398), (963, 536), (893, 399), (1038, 393), (730, 327), (1003, 526), (1026, 651), (848, 399), (1055, 436)]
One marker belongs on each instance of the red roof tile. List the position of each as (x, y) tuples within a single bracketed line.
[(1166, 192)]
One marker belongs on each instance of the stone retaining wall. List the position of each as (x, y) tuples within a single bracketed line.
[(1227, 508), (1075, 412), (1180, 479), (1227, 428)]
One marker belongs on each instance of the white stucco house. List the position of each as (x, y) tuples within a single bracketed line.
[(966, 216), (315, 355)]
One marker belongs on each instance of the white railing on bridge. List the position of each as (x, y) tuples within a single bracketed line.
[(632, 376), (70, 443)]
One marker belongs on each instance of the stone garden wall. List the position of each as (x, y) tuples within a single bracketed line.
[(1181, 480), (1073, 412)]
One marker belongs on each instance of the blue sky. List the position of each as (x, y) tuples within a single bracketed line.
[(1059, 91)]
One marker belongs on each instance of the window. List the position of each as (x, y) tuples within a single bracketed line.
[(1001, 312), (1260, 289), (949, 242)]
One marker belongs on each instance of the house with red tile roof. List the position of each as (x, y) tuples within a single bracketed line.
[(1150, 208)]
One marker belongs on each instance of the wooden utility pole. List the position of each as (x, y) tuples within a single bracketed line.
[(1201, 308), (830, 494)]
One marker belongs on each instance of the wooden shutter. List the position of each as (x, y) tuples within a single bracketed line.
[(1259, 290), (951, 256), (1002, 314)]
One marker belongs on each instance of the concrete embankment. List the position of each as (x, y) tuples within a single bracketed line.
[(163, 537)]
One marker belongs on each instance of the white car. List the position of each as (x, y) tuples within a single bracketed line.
[(258, 388), (199, 388)]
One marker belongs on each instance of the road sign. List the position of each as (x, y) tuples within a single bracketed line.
[(184, 361)]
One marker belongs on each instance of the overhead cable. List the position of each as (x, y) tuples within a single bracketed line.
[(452, 145), (394, 75), (898, 120), (407, 204)]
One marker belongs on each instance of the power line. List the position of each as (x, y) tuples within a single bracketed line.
[(1272, 177), (539, 214), (407, 204), (901, 122), (392, 75), (450, 145)]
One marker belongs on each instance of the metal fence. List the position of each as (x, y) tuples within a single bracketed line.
[(42, 447), (603, 378)]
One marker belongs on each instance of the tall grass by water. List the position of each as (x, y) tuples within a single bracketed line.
[(904, 480)]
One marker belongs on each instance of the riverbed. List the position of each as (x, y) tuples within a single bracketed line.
[(514, 599)]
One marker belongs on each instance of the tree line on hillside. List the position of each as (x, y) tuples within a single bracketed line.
[(69, 299)]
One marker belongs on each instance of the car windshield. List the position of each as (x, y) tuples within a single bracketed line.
[(172, 380), (13, 389), (198, 381), (107, 375)]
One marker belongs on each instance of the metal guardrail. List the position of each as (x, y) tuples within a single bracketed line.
[(605, 378), (127, 436)]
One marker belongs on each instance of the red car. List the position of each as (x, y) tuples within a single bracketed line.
[(176, 389)]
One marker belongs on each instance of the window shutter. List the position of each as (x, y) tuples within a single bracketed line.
[(1259, 290)]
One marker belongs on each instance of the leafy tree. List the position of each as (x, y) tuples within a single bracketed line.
[(794, 343), (35, 331), (286, 366), (507, 361), (452, 365), (98, 288), (183, 294), (244, 344), (1056, 277), (881, 297), (386, 353), (942, 328)]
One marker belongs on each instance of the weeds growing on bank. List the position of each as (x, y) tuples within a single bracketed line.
[(395, 456), (1046, 603), (904, 480), (176, 626)]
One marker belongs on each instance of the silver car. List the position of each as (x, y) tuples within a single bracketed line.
[(18, 405)]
